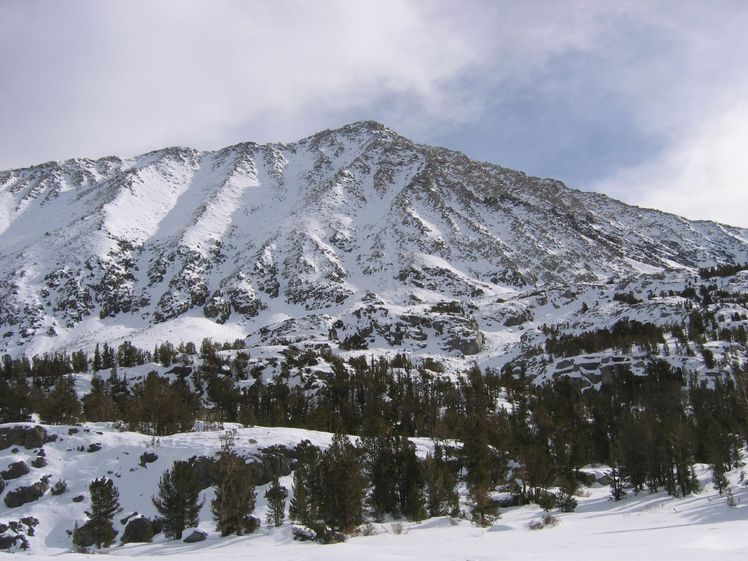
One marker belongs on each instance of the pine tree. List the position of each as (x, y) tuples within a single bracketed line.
[(719, 477), (235, 497), (617, 491), (61, 405), (343, 485), (97, 362), (410, 481), (300, 507), (177, 500), (104, 505), (276, 498), (97, 405), (381, 470), (440, 485)]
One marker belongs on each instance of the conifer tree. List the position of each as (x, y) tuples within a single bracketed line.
[(97, 405), (97, 362), (410, 480), (343, 485), (380, 466), (276, 498), (441, 492), (104, 505), (234, 502), (61, 405), (178, 499), (301, 508), (719, 477)]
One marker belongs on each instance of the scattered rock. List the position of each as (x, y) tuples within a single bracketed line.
[(195, 536), (148, 458), (94, 447), (15, 470)]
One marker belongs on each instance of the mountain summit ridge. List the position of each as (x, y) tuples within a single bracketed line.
[(255, 235)]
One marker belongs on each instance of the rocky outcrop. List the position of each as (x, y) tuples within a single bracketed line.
[(28, 494), (138, 530), (314, 224), (15, 470), (28, 437)]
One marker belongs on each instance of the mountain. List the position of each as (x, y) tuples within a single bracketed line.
[(355, 237)]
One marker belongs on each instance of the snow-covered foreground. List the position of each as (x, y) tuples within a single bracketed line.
[(642, 527)]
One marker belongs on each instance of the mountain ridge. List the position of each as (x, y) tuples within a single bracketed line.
[(253, 236)]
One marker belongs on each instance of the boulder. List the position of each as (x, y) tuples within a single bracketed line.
[(15, 470), (195, 536), (23, 495), (138, 530), (84, 536), (148, 458), (39, 462)]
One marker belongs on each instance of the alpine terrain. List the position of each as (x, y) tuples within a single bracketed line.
[(355, 238), (255, 351)]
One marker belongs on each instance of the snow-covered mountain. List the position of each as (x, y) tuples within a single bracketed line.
[(355, 235)]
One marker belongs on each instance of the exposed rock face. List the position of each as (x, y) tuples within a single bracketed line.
[(267, 464), (271, 463), (244, 234)]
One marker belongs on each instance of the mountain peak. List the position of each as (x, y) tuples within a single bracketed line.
[(309, 233)]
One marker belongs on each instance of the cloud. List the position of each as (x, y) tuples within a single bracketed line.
[(703, 176), (95, 76), (634, 98)]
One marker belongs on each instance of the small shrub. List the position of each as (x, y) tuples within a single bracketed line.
[(565, 501), (535, 525), (397, 527), (548, 521), (730, 498), (545, 500), (60, 487)]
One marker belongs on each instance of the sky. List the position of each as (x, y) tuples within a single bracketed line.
[(646, 101)]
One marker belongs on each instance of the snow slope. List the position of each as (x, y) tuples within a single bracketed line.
[(644, 526)]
